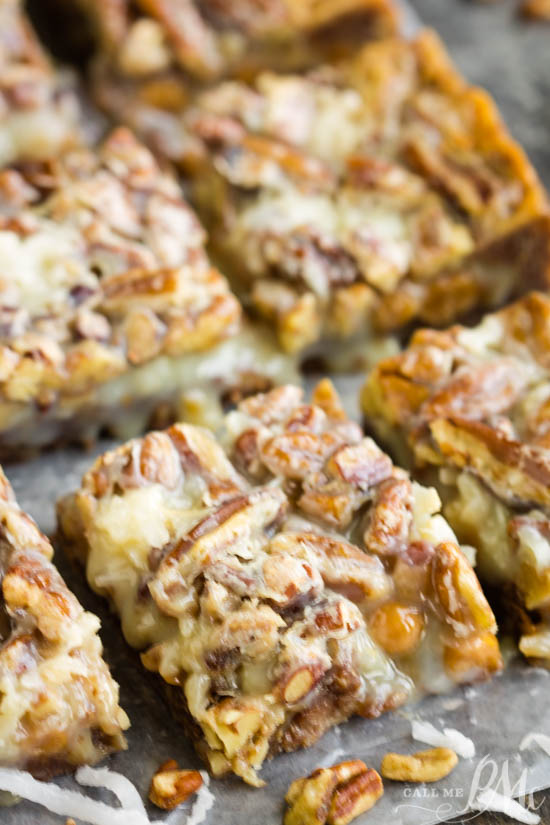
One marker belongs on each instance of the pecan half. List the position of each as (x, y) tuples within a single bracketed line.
[(333, 796)]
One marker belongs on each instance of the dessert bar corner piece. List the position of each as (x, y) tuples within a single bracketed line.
[(110, 307), (469, 409), (38, 105), (363, 197), (58, 702), (167, 47), (281, 578), (151, 56)]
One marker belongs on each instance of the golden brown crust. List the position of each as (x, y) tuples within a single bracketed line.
[(266, 567), (59, 706)]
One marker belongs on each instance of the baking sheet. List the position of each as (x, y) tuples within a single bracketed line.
[(496, 715)]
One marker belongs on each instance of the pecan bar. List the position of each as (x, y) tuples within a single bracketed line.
[(109, 304), (280, 578), (470, 409), (360, 198), (38, 106), (58, 702), (152, 54)]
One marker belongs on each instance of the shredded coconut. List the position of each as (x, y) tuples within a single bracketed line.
[(492, 801), (123, 789), (74, 804), (540, 739), (66, 802), (449, 738), (204, 801)]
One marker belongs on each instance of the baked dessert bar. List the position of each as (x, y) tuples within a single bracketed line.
[(361, 198), (280, 578), (469, 409), (58, 702), (38, 106), (151, 55), (109, 304)]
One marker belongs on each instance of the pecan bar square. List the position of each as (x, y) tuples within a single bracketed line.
[(58, 702), (150, 55), (470, 410), (110, 306), (361, 198), (280, 578), (38, 105)]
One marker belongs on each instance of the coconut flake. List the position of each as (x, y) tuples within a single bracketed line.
[(492, 801), (204, 801), (66, 802), (74, 804), (533, 738), (449, 738), (123, 789)]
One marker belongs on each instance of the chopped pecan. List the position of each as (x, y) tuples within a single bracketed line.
[(290, 581), (423, 766), (473, 658), (513, 469), (300, 682), (477, 392), (159, 461), (253, 632), (325, 396), (344, 567), (297, 454), (171, 786), (300, 325), (237, 522), (275, 406), (459, 591), (362, 465), (389, 518)]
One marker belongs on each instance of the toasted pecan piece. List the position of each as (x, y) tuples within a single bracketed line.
[(423, 766), (170, 786)]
